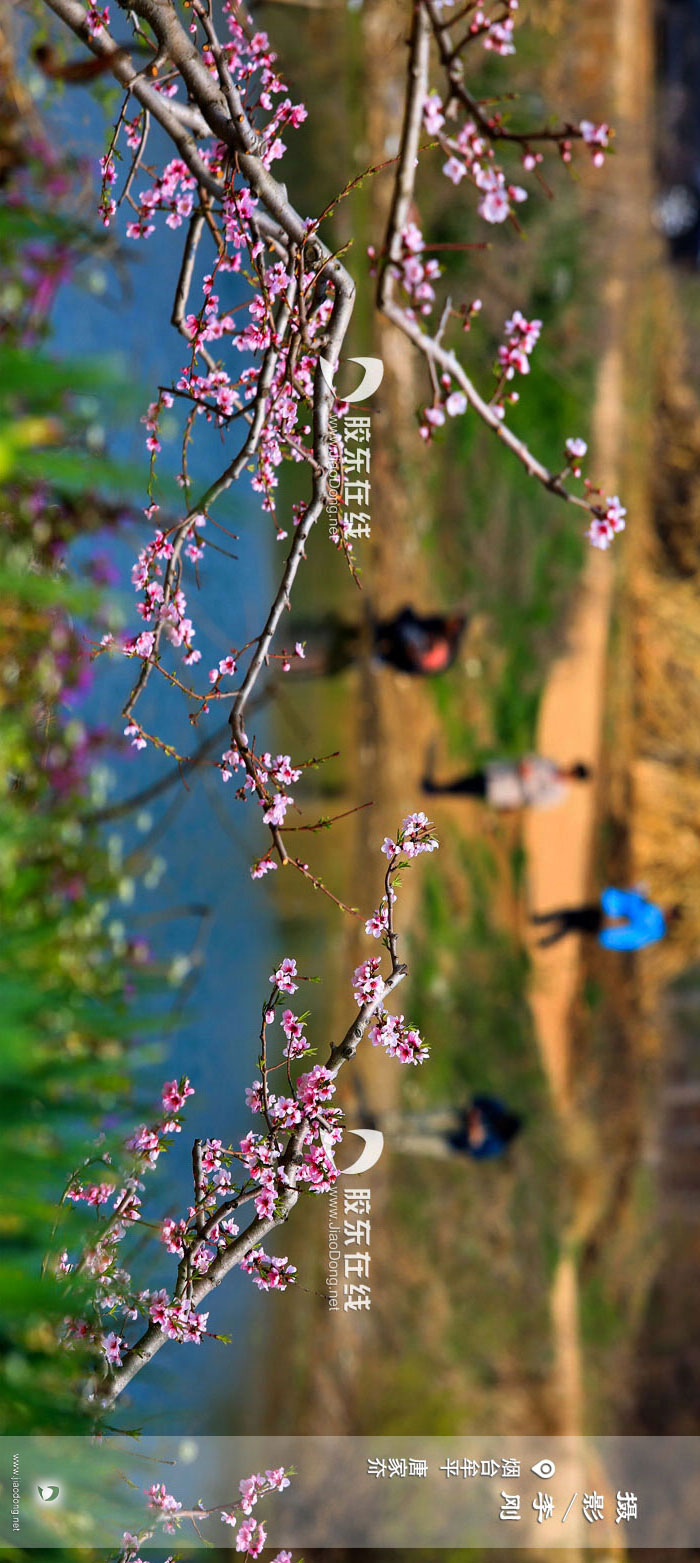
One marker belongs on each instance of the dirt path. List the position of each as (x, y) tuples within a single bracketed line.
[(560, 843)]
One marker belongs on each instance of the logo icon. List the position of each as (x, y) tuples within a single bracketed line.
[(370, 382), (369, 1155), (544, 1468), (47, 1493)]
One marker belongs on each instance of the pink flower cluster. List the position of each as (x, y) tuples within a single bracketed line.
[(113, 1285), (454, 403), (415, 835), (93, 1194), (521, 337), (604, 527), (173, 192), (575, 452), (398, 1040), (268, 1274), (166, 611), (597, 137), (308, 1108), (367, 983), (178, 1319), (251, 1487), (159, 1498), (283, 977), (377, 925), (175, 1094), (97, 18), (263, 866), (112, 1348), (297, 1043), (472, 157), (416, 274), (169, 1515), (251, 1538), (172, 1233)]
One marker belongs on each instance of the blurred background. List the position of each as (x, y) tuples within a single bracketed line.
[(553, 1289)]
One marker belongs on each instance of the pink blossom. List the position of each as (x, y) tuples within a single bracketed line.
[(172, 1233), (263, 866), (159, 1498), (175, 1095), (603, 528), (433, 117), (182, 1323), (367, 984), (378, 923), (494, 205), (275, 812), (282, 978), (269, 1274), (596, 136), (112, 1347), (293, 1029), (251, 1538), (315, 1088), (278, 1478), (417, 835), (600, 533), (499, 37), (265, 1203), (615, 514), (399, 1041), (454, 170)]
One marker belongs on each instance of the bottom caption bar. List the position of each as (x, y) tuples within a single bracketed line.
[(126, 1494)]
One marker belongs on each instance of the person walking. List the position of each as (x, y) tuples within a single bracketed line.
[(621, 920), (421, 644), (482, 1130), (530, 782)]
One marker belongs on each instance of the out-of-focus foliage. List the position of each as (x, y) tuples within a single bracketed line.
[(67, 982)]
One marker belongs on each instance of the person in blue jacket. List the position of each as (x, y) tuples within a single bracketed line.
[(622, 920), (483, 1129)]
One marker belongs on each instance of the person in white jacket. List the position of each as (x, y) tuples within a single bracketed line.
[(529, 782)]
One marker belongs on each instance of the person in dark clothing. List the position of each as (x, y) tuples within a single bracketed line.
[(419, 643), (483, 1130), (486, 1129), (569, 919), (621, 920), (416, 643)]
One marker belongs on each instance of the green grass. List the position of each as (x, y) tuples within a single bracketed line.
[(487, 1233), (498, 540)]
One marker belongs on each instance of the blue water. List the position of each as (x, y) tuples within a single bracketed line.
[(209, 838)]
